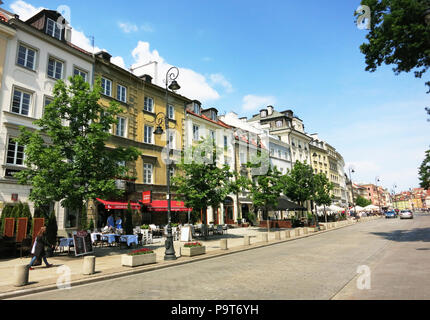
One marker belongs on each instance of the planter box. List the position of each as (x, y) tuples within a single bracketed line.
[(194, 251), (135, 261)]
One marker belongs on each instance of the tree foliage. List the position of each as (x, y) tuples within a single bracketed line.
[(399, 36), (201, 182), (322, 190), (264, 189), (424, 172), (298, 183), (362, 202), (67, 159)]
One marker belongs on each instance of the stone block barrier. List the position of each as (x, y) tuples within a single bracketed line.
[(89, 265), (265, 238), (223, 244), (277, 235), (21, 275)]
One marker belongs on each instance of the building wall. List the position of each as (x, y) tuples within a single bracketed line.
[(40, 86)]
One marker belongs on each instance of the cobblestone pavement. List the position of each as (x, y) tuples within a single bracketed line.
[(323, 266)]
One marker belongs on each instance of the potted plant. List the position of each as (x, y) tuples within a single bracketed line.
[(144, 227), (138, 258), (192, 249)]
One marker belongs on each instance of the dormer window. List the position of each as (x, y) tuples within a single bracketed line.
[(53, 29), (196, 109), (263, 113), (213, 115)]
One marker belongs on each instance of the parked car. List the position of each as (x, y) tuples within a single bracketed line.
[(406, 214), (390, 214)]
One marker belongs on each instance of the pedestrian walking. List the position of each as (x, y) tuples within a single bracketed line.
[(38, 250)]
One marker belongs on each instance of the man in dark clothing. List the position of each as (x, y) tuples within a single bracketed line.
[(38, 250)]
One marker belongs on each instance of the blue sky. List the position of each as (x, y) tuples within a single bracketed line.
[(243, 55)]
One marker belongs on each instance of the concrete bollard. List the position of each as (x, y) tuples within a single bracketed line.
[(223, 244), (89, 266), (264, 237), (297, 232), (247, 240), (21, 275), (287, 234), (305, 231), (277, 235)]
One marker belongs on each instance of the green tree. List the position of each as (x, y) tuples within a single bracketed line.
[(264, 190), (6, 213), (52, 230), (200, 182), (322, 191), (298, 183), (362, 202), (128, 225), (70, 163), (398, 36), (424, 172)]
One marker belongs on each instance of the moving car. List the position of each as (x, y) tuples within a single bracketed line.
[(406, 214), (390, 214)]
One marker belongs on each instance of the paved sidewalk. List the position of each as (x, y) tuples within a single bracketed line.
[(108, 260)]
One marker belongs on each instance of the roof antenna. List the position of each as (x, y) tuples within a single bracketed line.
[(92, 41)]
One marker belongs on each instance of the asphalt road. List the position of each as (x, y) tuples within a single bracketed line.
[(395, 255)]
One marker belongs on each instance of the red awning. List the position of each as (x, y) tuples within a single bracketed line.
[(161, 206), (119, 205)]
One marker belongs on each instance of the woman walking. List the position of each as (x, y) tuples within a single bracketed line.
[(39, 249)]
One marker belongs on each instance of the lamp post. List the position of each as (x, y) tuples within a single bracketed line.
[(352, 189), (395, 193), (377, 191), (171, 76)]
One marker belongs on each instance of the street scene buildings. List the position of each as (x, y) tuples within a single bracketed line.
[(38, 52)]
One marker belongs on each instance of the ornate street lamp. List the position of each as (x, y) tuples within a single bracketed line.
[(352, 190), (171, 76), (377, 191)]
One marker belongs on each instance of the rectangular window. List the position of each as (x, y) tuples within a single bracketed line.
[(212, 135), (120, 128), (53, 29), (107, 87), (242, 158), (148, 134), (147, 173), (15, 153), (172, 144), (196, 108), (21, 102), (121, 93), (172, 172), (26, 57), (55, 68), (225, 142), (171, 112), (78, 72), (148, 104), (196, 136)]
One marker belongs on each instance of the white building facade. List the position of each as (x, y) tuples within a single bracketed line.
[(37, 57)]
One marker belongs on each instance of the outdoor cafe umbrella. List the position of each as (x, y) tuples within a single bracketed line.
[(284, 204)]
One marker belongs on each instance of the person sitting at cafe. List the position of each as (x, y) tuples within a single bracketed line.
[(111, 221), (118, 223)]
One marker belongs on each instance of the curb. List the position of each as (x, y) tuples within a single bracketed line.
[(164, 265)]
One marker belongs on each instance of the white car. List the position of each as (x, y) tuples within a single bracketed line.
[(406, 214)]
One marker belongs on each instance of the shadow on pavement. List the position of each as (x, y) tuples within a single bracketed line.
[(414, 235)]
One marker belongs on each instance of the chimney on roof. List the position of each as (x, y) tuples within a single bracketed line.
[(270, 110), (243, 119), (146, 78), (104, 55)]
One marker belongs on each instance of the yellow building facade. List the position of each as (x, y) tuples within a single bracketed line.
[(144, 109)]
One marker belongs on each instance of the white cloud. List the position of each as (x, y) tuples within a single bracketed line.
[(219, 79), (193, 85), (128, 27), (253, 102), (24, 9), (119, 61)]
